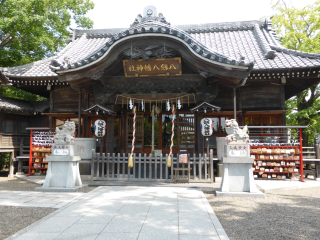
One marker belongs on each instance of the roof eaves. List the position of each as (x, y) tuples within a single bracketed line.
[(3, 78), (153, 27)]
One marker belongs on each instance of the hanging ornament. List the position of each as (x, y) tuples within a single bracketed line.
[(179, 103), (206, 127), (130, 104), (142, 105), (100, 128), (168, 105)]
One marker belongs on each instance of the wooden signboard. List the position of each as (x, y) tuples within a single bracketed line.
[(156, 67)]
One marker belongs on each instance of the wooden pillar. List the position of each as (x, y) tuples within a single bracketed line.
[(11, 167), (282, 97), (110, 132), (316, 148), (51, 107), (123, 132), (86, 118), (240, 116), (1, 119), (199, 136), (239, 101), (79, 114), (234, 104)]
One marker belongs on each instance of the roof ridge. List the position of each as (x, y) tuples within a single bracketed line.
[(296, 53), (190, 28), (268, 52)]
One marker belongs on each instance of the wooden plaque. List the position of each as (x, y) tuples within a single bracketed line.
[(156, 67)]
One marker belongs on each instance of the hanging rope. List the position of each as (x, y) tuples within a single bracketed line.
[(172, 135), (130, 163), (150, 102), (152, 114)]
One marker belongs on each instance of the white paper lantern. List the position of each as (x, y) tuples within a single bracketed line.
[(206, 127), (100, 128)]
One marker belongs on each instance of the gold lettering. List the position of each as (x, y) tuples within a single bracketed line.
[(139, 68), (155, 66), (172, 66), (147, 67), (131, 68), (164, 67)]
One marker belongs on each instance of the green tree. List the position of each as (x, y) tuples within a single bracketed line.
[(13, 92), (299, 29), (31, 30)]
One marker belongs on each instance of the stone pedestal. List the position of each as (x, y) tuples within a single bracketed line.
[(63, 170), (237, 178)]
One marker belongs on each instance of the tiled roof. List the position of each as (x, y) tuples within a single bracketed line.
[(235, 43), (18, 105)]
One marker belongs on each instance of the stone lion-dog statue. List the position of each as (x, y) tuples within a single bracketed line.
[(65, 135), (235, 134)]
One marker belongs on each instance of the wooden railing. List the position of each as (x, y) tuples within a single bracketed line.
[(311, 157), (149, 168)]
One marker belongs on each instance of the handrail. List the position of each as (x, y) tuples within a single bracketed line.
[(276, 127)]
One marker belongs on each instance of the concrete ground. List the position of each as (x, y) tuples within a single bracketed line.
[(127, 212), (143, 210)]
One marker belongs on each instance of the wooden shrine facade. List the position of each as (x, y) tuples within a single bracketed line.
[(240, 67)]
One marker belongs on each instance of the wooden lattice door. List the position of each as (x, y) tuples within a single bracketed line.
[(186, 133), (139, 141)]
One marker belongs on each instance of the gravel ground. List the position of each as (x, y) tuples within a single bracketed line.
[(290, 214), (13, 219)]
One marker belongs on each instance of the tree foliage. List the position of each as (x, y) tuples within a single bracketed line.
[(299, 29), (13, 92), (31, 30)]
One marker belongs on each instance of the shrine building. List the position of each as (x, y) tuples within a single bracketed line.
[(239, 67)]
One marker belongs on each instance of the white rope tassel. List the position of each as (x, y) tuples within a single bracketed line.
[(168, 105)]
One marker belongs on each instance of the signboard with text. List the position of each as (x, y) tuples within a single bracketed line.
[(156, 67)]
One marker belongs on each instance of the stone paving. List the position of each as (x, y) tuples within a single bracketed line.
[(36, 199), (120, 212)]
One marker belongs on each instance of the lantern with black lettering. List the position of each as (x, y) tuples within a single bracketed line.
[(206, 127), (100, 128)]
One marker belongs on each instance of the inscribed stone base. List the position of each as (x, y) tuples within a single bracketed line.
[(258, 194), (237, 175), (60, 189), (63, 172)]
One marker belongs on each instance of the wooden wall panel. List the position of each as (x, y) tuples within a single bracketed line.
[(224, 100), (40, 121), (260, 96), (66, 99)]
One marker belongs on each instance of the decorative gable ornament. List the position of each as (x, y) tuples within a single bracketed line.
[(149, 15), (206, 127), (100, 128)]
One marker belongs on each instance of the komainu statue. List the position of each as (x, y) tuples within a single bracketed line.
[(235, 134), (65, 135)]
